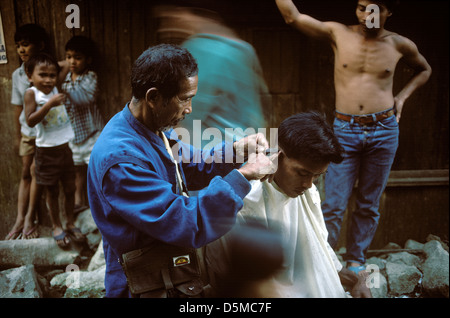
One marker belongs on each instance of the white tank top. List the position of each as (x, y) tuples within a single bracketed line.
[(55, 128)]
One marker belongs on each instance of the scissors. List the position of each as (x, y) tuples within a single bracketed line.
[(271, 151)]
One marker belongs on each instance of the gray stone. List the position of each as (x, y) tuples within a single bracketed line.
[(378, 285), (403, 279), (392, 246), (436, 270), (413, 245), (432, 237), (434, 248), (20, 282), (404, 258), (85, 222), (87, 226), (80, 284), (381, 263), (98, 259), (39, 252)]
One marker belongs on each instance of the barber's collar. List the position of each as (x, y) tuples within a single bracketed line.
[(140, 128)]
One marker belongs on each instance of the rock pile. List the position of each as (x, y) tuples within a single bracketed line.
[(415, 271), (38, 268)]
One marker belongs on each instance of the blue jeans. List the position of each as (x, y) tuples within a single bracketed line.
[(369, 153)]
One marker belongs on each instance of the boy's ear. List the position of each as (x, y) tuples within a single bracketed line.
[(151, 96)]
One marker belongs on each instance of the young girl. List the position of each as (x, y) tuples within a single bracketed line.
[(44, 108)]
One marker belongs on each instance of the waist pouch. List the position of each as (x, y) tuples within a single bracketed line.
[(163, 270)]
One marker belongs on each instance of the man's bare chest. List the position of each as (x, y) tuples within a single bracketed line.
[(354, 54)]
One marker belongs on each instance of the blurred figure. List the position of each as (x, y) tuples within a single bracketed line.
[(255, 255), (231, 87)]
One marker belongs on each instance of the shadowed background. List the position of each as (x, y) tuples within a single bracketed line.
[(297, 70)]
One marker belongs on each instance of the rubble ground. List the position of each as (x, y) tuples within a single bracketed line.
[(38, 268)]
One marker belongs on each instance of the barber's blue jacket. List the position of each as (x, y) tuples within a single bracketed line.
[(134, 198)]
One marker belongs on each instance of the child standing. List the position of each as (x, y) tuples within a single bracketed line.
[(80, 86), (30, 39), (44, 109)]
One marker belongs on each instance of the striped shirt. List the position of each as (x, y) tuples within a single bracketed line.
[(81, 105)]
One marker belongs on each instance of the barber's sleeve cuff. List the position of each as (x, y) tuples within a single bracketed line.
[(238, 182)]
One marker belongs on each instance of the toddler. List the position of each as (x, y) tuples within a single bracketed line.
[(44, 109)]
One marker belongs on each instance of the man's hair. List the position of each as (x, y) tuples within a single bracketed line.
[(81, 44), (164, 67), (391, 5), (32, 33), (308, 136), (40, 58)]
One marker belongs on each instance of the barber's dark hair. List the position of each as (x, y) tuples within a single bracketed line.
[(32, 33), (164, 67), (308, 136), (40, 58)]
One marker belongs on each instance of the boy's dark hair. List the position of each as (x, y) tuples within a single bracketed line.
[(163, 66), (308, 136), (32, 33), (40, 58), (81, 44)]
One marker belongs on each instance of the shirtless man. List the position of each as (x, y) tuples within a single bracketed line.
[(367, 114)]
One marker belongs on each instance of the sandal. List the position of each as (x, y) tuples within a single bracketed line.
[(25, 235), (356, 269), (14, 235), (75, 234), (62, 240)]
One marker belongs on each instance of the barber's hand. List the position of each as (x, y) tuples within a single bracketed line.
[(252, 144), (259, 167)]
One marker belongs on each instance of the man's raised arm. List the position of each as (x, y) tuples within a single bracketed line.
[(302, 22)]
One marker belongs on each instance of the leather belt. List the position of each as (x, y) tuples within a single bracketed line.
[(366, 119)]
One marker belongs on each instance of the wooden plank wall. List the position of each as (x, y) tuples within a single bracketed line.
[(298, 70)]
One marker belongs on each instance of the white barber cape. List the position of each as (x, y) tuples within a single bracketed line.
[(310, 266)]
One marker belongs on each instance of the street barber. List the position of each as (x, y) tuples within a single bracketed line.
[(139, 191)]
